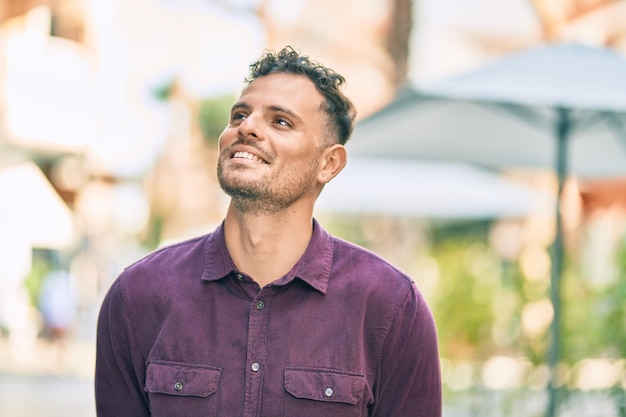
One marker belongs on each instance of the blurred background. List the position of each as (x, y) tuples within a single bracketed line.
[(110, 112)]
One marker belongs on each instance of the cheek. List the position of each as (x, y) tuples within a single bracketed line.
[(225, 139)]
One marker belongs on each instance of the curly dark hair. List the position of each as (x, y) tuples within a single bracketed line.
[(339, 109)]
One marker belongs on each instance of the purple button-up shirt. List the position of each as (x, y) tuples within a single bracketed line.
[(183, 333)]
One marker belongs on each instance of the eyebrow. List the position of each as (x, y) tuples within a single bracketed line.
[(238, 106), (288, 112), (273, 108)]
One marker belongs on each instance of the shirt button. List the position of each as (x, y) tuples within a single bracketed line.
[(178, 386), (329, 392), (239, 277), (260, 305), (255, 366)]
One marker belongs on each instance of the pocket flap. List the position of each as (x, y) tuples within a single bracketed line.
[(182, 379), (325, 385)]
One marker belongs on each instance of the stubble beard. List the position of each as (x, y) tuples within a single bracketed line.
[(269, 194)]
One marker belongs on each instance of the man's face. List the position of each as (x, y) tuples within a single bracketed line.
[(270, 151)]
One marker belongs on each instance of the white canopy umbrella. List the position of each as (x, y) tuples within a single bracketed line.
[(509, 113), (441, 190), (561, 106)]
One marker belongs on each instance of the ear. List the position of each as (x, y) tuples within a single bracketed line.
[(334, 159)]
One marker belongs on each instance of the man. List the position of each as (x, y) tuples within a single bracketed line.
[(270, 315)]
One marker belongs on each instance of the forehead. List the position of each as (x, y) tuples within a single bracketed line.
[(295, 92)]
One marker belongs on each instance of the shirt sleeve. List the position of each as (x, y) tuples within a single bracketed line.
[(409, 373), (119, 367)]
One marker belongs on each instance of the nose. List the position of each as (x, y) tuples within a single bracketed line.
[(250, 127)]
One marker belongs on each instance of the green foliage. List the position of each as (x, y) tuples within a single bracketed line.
[(614, 311), (213, 116), (619, 399), (347, 227), (164, 91), (594, 317), (463, 300), (33, 282), (154, 232)]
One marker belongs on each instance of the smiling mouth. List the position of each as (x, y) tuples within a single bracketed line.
[(248, 156)]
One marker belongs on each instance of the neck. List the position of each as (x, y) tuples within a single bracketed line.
[(266, 247)]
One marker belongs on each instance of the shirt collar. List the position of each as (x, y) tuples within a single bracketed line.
[(312, 268)]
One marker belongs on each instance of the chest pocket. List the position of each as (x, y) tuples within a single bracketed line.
[(324, 392), (182, 390)]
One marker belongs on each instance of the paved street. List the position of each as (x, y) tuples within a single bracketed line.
[(39, 379), (41, 396)]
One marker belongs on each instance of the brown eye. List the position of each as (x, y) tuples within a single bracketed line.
[(237, 116), (283, 122)]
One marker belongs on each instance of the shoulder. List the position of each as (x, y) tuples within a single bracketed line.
[(163, 270), (385, 296), (349, 257), (168, 257), (369, 274)]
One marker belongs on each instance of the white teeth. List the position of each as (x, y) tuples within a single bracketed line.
[(246, 155)]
